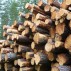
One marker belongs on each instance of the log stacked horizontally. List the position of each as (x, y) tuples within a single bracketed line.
[(42, 42)]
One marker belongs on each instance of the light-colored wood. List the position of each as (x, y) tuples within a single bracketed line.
[(23, 62), (40, 38)]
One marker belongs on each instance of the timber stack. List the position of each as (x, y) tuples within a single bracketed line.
[(42, 42)]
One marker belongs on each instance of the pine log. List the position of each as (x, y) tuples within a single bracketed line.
[(16, 24), (9, 37), (59, 44), (42, 4), (23, 49), (15, 49), (37, 46), (6, 50), (6, 43), (37, 9), (40, 38), (12, 31), (54, 3), (61, 68), (26, 69), (8, 67), (21, 14), (5, 27), (28, 16), (64, 59), (36, 29), (21, 28), (40, 58), (10, 56), (23, 40), (67, 43), (29, 55), (33, 61), (69, 16), (2, 58), (15, 68), (23, 62), (41, 17), (28, 6)]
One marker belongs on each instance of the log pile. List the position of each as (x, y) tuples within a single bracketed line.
[(42, 42)]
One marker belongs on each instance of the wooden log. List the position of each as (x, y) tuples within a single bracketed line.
[(5, 27), (53, 8), (63, 59), (49, 45), (61, 68), (41, 17), (47, 9), (55, 64), (28, 16), (6, 43), (37, 46), (21, 28), (26, 69), (50, 56), (41, 4), (42, 25), (70, 25), (61, 13), (60, 28), (52, 32), (53, 15), (28, 24), (14, 37), (37, 9), (5, 34), (15, 69), (55, 69), (59, 44), (40, 38), (23, 40), (12, 31), (43, 67), (21, 14), (6, 50), (16, 62), (9, 37), (54, 3), (69, 16), (1, 46), (36, 29), (57, 37), (33, 61), (15, 49), (16, 24), (40, 58), (1, 41), (63, 5), (28, 6), (23, 49), (23, 62), (67, 43), (29, 55), (8, 67), (27, 32), (2, 58), (13, 45), (10, 56)]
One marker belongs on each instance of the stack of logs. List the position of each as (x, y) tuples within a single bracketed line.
[(42, 42)]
